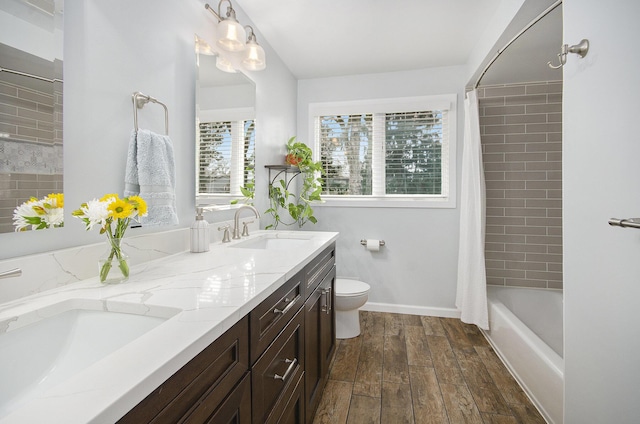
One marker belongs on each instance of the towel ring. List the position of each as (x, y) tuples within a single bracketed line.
[(139, 100)]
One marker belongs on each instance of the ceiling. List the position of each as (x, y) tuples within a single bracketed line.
[(317, 39)]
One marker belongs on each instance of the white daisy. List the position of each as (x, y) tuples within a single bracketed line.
[(95, 212)]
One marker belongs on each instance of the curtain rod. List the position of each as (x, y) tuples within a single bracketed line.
[(24, 74), (522, 31)]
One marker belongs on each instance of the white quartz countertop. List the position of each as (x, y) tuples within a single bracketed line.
[(211, 291)]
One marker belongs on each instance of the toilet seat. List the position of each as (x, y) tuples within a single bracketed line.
[(346, 287)]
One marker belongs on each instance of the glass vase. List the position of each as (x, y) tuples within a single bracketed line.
[(113, 265)]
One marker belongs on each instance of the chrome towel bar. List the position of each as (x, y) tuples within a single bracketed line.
[(625, 223)]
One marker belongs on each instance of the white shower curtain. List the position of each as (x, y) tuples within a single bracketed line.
[(471, 296)]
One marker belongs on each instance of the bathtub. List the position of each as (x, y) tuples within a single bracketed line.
[(526, 332)]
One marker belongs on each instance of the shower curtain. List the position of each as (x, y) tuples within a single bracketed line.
[(471, 296)]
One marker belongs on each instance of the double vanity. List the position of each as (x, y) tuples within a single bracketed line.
[(241, 333)]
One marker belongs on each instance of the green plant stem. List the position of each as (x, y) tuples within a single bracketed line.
[(115, 239)]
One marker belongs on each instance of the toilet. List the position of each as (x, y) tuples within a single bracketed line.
[(350, 296)]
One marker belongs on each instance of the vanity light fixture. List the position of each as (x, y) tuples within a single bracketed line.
[(224, 64), (231, 34), (254, 57), (202, 47)]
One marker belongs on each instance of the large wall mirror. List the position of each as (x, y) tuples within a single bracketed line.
[(225, 128), (31, 112)]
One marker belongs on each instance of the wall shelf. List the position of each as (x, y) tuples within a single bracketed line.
[(275, 171)]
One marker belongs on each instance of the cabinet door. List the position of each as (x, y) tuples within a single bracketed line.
[(328, 321), (320, 341)]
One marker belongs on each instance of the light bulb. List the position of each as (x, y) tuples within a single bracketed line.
[(254, 58)]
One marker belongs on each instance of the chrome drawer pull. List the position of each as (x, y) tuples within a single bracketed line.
[(289, 305), (327, 300), (292, 365)]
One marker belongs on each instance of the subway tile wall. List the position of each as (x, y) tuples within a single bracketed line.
[(31, 131), (521, 131)]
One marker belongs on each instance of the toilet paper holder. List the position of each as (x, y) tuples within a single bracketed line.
[(364, 242)]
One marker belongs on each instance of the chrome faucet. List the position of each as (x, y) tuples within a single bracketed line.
[(16, 272), (236, 218)]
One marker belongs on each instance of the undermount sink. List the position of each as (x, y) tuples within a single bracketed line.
[(273, 242), (43, 348)]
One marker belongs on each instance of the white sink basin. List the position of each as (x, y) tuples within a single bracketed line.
[(273, 242), (43, 348)]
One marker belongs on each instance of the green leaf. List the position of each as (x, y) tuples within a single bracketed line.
[(246, 193)]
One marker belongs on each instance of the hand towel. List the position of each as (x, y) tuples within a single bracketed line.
[(150, 173)]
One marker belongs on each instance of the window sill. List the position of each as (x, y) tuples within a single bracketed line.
[(387, 202)]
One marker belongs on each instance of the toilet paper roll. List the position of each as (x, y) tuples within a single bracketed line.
[(373, 245)]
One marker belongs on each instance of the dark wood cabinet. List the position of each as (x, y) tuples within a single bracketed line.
[(320, 340), (275, 374), (292, 411), (272, 315), (270, 367), (235, 409), (201, 385)]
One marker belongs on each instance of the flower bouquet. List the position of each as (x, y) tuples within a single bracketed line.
[(39, 214), (113, 215)]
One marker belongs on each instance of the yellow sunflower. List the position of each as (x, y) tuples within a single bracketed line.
[(56, 199), (109, 197), (120, 209), (139, 204)]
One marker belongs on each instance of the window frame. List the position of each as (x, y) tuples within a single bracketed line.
[(446, 102), (235, 115)]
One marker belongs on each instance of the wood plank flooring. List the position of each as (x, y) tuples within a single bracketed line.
[(420, 370)]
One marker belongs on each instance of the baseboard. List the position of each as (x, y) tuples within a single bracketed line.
[(412, 310)]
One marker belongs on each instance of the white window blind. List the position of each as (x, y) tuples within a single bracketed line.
[(346, 153), (226, 156), (390, 154), (413, 143)]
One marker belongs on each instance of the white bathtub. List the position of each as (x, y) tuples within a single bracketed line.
[(526, 332)]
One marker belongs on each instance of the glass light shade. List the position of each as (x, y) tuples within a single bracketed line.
[(224, 65), (231, 35), (254, 57)]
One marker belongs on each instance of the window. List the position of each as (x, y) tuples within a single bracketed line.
[(226, 157), (397, 152)]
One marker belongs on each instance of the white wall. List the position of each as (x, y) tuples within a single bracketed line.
[(417, 267), (115, 48), (601, 174)]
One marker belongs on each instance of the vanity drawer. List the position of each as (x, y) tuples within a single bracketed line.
[(270, 317), (316, 270), (211, 375), (278, 369), (236, 408), (291, 410)]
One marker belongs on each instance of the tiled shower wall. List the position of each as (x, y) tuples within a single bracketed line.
[(31, 163), (521, 131)]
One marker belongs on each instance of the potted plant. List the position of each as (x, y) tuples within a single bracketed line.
[(296, 203)]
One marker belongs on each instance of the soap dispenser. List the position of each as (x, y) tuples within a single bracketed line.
[(200, 233)]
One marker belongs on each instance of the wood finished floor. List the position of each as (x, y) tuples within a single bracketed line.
[(413, 369)]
